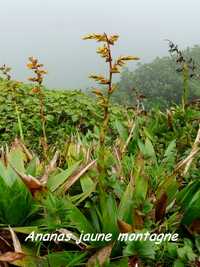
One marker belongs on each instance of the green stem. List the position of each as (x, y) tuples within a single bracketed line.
[(104, 128), (19, 122), (43, 120), (185, 85)]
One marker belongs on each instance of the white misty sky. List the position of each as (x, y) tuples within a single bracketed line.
[(52, 31)]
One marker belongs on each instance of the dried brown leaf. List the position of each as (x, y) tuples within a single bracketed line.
[(16, 243), (100, 256), (124, 227), (73, 178), (31, 182), (138, 219), (49, 169), (160, 208), (11, 256)]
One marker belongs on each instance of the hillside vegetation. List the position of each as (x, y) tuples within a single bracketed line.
[(73, 165), (159, 81), (67, 112)]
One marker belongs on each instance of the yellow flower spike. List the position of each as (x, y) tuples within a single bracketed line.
[(113, 38), (126, 58), (97, 92)]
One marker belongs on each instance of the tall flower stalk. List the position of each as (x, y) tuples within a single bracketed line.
[(38, 89), (186, 66), (114, 67)]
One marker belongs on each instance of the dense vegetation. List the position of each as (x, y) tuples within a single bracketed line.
[(67, 112), (71, 164), (158, 81)]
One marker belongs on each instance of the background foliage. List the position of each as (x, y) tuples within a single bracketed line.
[(158, 81), (67, 112)]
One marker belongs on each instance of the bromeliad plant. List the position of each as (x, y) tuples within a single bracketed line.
[(16, 202), (148, 172), (114, 67)]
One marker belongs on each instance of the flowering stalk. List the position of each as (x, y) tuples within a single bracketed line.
[(104, 99), (38, 79), (186, 66)]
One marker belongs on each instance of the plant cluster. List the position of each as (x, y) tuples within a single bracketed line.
[(134, 172)]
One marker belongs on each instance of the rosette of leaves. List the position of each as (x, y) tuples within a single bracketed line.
[(16, 202)]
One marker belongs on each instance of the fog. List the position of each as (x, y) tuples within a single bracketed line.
[(52, 29)]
